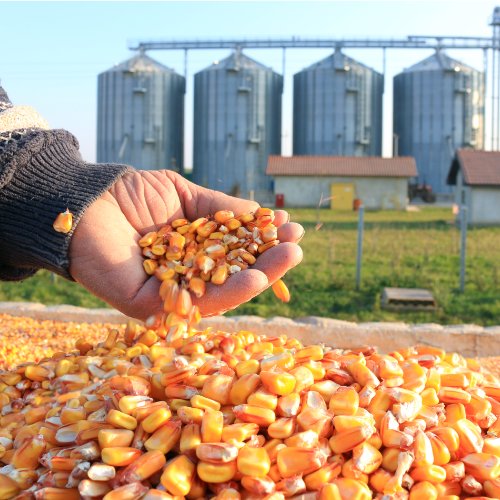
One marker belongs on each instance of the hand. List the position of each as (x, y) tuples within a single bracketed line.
[(106, 259)]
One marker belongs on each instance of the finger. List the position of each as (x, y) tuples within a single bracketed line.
[(278, 260), (290, 232), (239, 288), (208, 202), (281, 217)]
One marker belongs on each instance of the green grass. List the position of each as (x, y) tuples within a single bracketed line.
[(405, 249)]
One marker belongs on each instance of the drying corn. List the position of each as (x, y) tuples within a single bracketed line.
[(185, 255), (206, 414)]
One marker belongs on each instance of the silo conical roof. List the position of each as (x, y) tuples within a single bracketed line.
[(339, 61), (236, 61), (141, 62), (439, 61)]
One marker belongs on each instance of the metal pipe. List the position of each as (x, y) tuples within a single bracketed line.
[(383, 69), (493, 92), (186, 64), (407, 43), (463, 245), (359, 255), (284, 61), (485, 83), (498, 98)]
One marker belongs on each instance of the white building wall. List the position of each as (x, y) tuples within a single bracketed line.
[(485, 204), (304, 191)]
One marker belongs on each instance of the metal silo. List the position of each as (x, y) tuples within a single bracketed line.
[(337, 108), (140, 115), (438, 107), (237, 125)]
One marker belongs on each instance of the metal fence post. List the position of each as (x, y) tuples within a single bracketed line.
[(463, 245), (359, 255)]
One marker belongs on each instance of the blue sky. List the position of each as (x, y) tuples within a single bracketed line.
[(52, 52)]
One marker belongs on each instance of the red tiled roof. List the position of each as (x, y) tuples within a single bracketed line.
[(480, 168), (356, 166)]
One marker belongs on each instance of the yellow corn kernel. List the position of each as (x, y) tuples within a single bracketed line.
[(281, 428), (154, 421), (346, 441), (188, 415), (324, 475), (8, 487), (366, 458), (247, 367), (429, 397), (120, 456), (278, 383), (423, 491), (211, 427), (345, 401), (469, 436), (432, 473), (165, 438), (239, 432), (203, 403), (112, 438), (243, 388), (216, 473), (121, 420), (263, 398), (217, 388), (253, 461), (352, 489), (293, 461), (254, 414), (482, 465), (27, 455), (492, 488)]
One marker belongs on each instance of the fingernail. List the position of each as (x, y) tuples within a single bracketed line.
[(301, 236)]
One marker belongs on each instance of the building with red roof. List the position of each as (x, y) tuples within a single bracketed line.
[(476, 177), (379, 183)]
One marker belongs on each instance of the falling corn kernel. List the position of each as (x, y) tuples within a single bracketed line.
[(281, 291), (64, 222)]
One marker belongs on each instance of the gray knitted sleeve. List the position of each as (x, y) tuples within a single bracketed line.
[(42, 174)]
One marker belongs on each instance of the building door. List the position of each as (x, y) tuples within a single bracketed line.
[(342, 196)]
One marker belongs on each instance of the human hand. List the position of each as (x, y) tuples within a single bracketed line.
[(106, 259)]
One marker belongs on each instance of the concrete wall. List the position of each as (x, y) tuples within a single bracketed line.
[(304, 191), (483, 203)]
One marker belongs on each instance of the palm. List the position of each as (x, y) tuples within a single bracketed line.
[(106, 259)]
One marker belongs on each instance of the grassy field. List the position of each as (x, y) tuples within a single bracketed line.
[(405, 249)]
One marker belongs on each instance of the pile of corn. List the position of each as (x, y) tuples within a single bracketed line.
[(243, 417), (185, 255)]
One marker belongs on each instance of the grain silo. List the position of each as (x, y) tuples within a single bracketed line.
[(140, 115), (438, 108), (237, 125), (337, 108)]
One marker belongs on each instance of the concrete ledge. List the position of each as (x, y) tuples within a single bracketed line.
[(468, 340)]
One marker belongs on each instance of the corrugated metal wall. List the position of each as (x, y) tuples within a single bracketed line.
[(337, 108), (237, 125), (438, 107), (140, 115)]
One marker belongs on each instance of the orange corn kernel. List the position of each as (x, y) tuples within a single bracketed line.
[(293, 460), (119, 456), (345, 401)]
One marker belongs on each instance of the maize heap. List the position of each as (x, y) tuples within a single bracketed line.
[(185, 255), (245, 417)]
